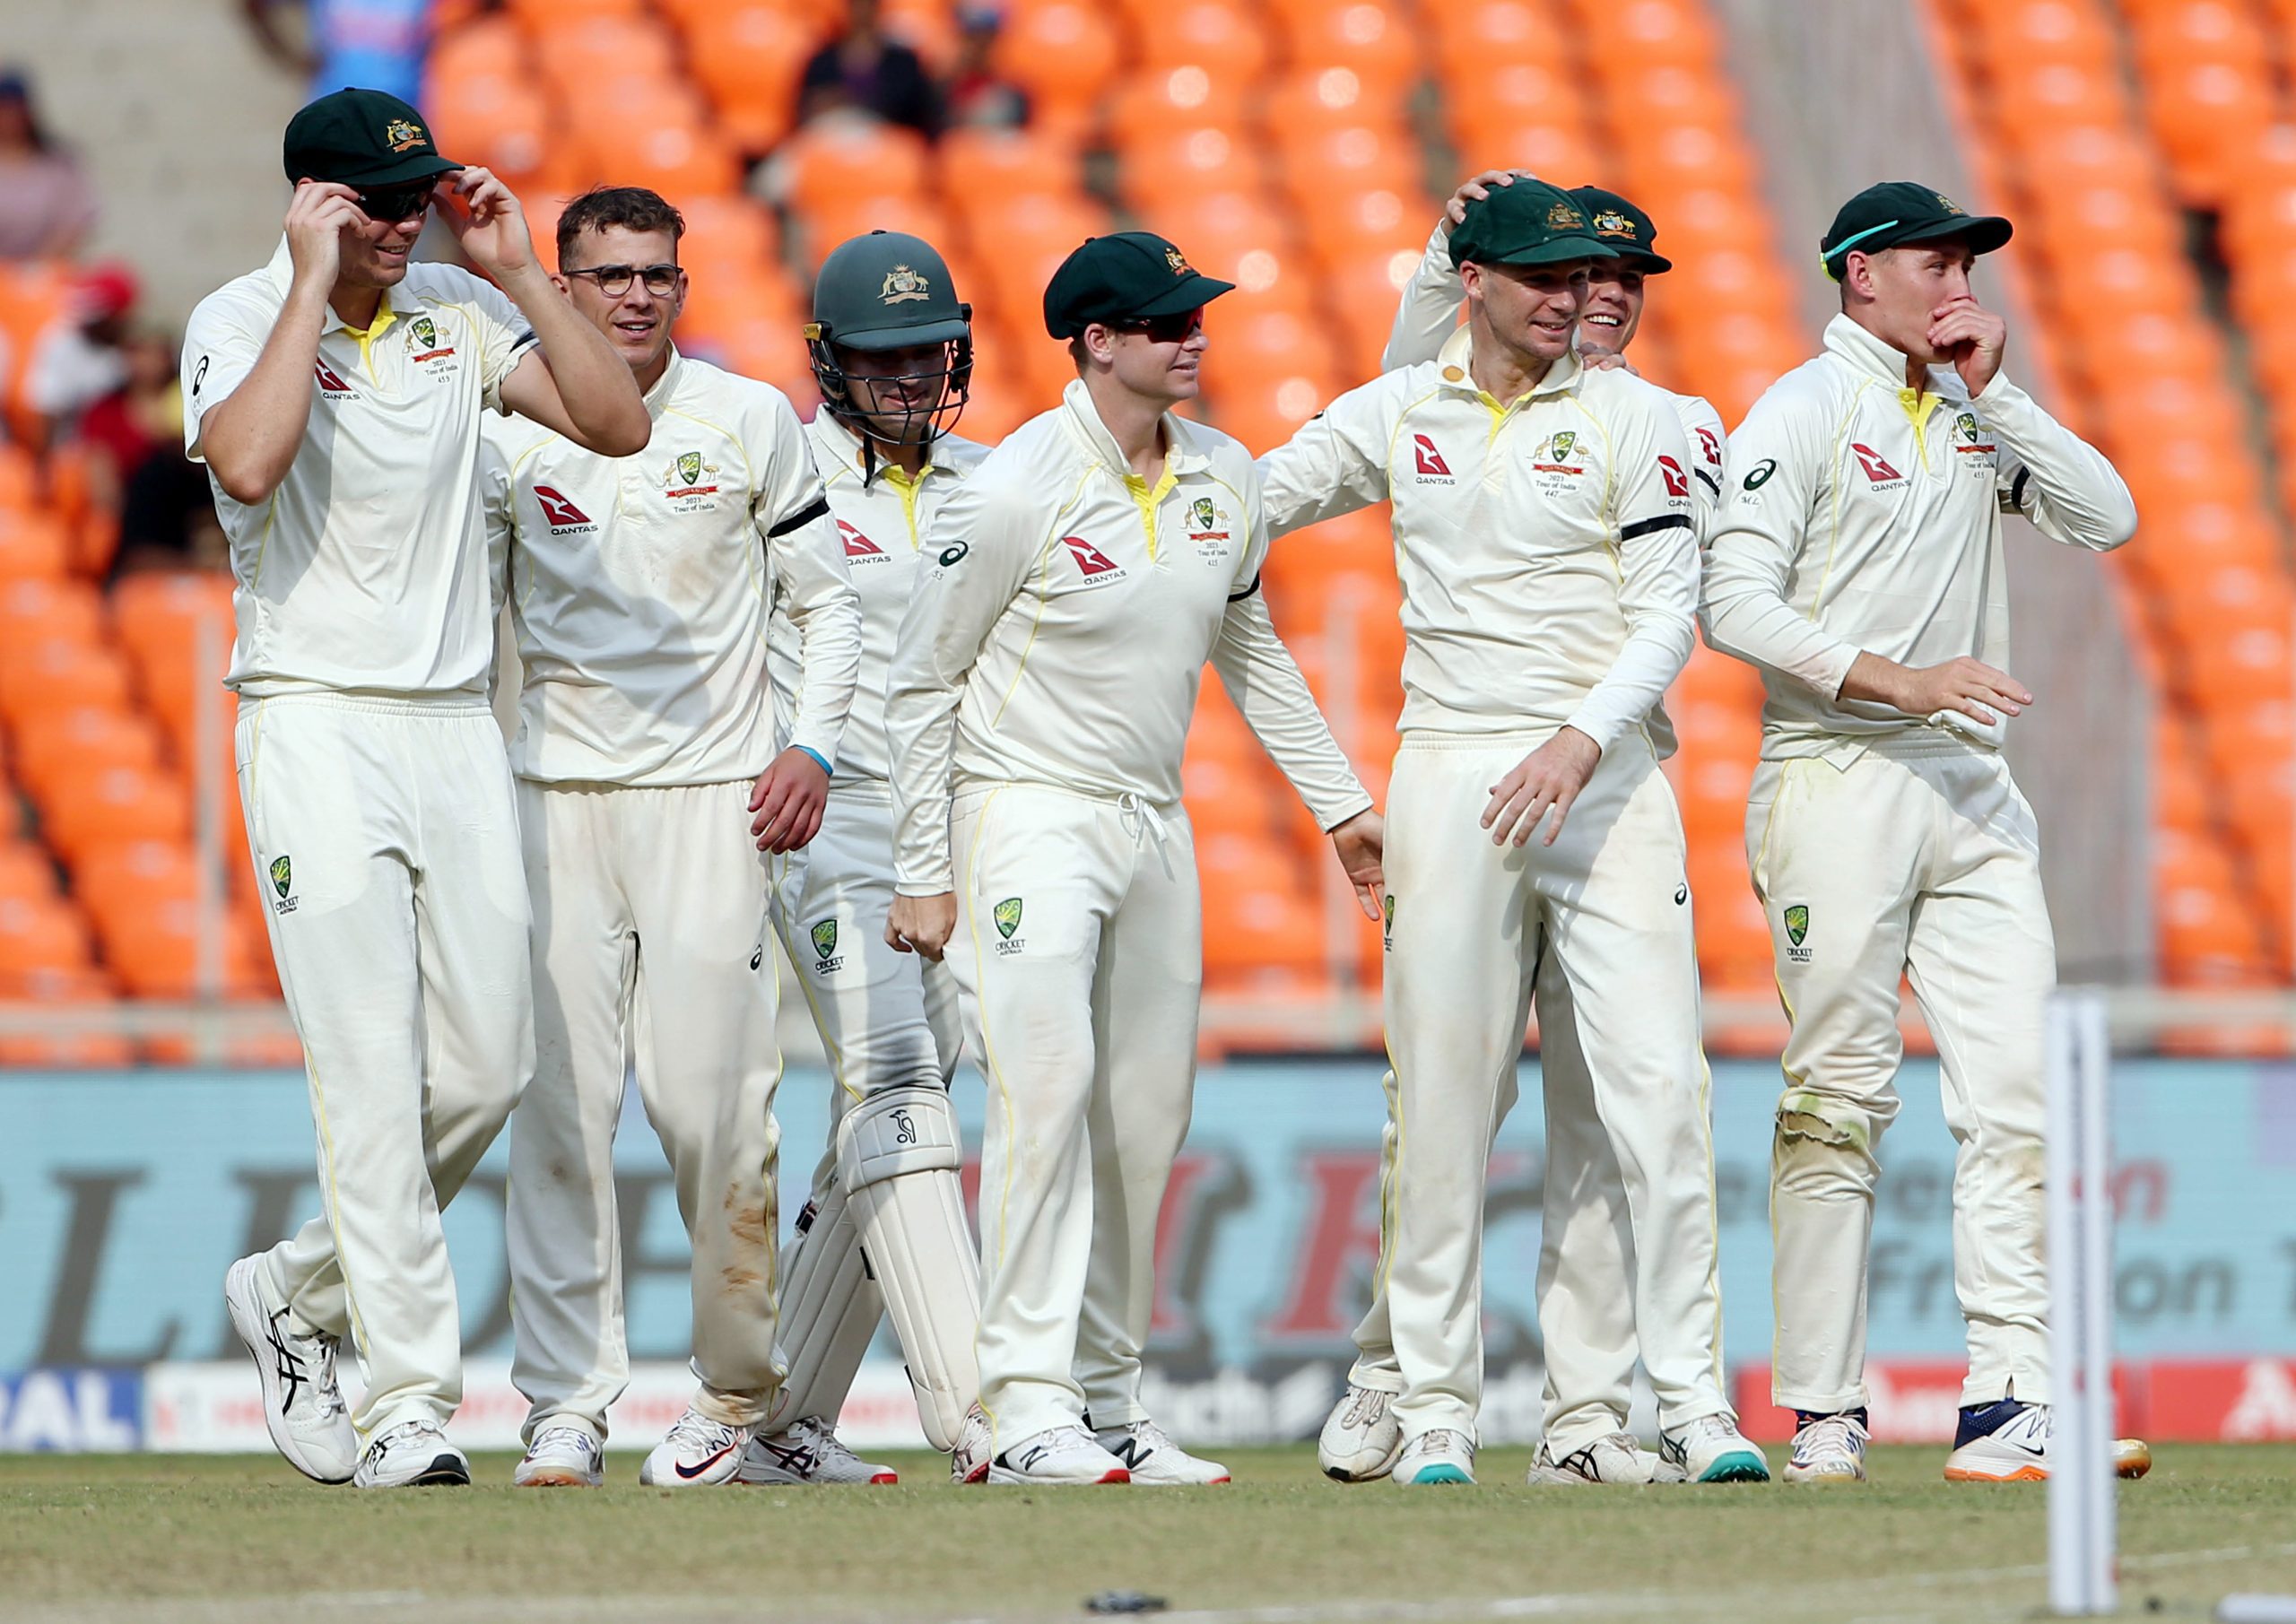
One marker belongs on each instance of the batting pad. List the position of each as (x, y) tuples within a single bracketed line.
[(829, 1308), (897, 1156)]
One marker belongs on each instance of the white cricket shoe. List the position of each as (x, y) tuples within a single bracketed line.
[(413, 1454), (1829, 1450), (975, 1440), (1065, 1455), (1440, 1456), (698, 1453), (1149, 1455), (561, 1457), (1615, 1457), (1362, 1438), (1712, 1450), (807, 1451), (302, 1405)]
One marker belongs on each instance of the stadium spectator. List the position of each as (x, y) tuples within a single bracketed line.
[(376, 45), (975, 92), (46, 207), (80, 358), (137, 469), (865, 70)]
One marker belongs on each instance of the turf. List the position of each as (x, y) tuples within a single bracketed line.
[(86, 1538)]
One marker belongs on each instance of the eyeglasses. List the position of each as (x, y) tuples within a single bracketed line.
[(1166, 329), (387, 205), (614, 281)]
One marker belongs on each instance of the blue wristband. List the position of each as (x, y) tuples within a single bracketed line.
[(817, 756)]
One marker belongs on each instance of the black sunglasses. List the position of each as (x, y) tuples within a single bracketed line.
[(614, 281), (1166, 329), (387, 205)]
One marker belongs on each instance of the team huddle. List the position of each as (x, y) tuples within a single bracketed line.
[(917, 706)]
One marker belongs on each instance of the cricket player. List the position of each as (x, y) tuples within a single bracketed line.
[(1046, 674), (335, 396), (1857, 560), (885, 1228), (1586, 1262), (648, 786), (1546, 542)]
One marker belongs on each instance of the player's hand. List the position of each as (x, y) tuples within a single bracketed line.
[(1974, 335), (787, 802), (1547, 780), (922, 924), (1970, 687), (487, 219), (315, 218), (1596, 359), (1361, 842), (1475, 188)]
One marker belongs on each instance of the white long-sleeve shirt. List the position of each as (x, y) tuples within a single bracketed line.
[(641, 587), (1428, 314), (1059, 634), (1545, 545), (880, 521), (367, 569), (1862, 515)]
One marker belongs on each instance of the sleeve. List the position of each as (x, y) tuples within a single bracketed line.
[(1774, 474), (498, 512), (980, 547), (1264, 680), (220, 349), (1702, 424), (1650, 505), (1336, 463), (2052, 475), (1430, 309), (500, 331), (791, 515)]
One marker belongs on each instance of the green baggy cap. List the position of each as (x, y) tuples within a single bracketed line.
[(1901, 211), (1125, 276), (366, 139), (1528, 224)]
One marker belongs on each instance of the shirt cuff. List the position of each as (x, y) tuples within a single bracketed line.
[(817, 756)]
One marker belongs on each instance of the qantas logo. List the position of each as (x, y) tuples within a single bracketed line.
[(1878, 470), (1710, 446), (1427, 460), (1090, 559), (858, 545), (1677, 481), (331, 383), (563, 516)]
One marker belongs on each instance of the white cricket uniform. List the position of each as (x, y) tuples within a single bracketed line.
[(640, 590), (378, 805), (887, 1020), (1861, 514), (1046, 672), (1549, 567), (1587, 1260)]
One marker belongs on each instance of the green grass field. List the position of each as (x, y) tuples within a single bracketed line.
[(87, 1538)]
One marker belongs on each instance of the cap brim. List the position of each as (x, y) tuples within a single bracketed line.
[(901, 338), (400, 172), (1554, 251), (1644, 261), (1983, 232), (1192, 291)]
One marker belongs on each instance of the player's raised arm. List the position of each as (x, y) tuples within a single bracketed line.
[(1428, 311), (1264, 680), (573, 382)]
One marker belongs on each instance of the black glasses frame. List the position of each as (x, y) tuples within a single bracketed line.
[(1174, 329), (388, 206), (614, 281)]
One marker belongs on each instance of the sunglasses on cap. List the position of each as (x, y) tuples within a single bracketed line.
[(614, 281), (1165, 329), (387, 205)]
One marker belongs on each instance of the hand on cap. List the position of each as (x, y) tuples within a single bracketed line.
[(1974, 335), (1475, 188), (488, 223), (316, 217)]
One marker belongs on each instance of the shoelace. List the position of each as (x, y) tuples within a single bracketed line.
[(1835, 1432), (701, 1430), (385, 1442), (330, 1393), (1365, 1408), (826, 1445)]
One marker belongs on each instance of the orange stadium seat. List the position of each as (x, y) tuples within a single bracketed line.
[(1541, 145), (1640, 35), (1376, 40), (111, 805), (116, 880), (1219, 35), (1179, 161), (41, 934), (33, 545), (1313, 97), (34, 608), (157, 949), (746, 56), (2044, 31), (53, 745), (1064, 53), (26, 873), (833, 160), (1225, 796), (977, 165), (1355, 157), (1193, 96)]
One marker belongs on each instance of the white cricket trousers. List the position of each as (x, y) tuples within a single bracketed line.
[(1925, 865), (386, 844), (1079, 950), (649, 931), (887, 1019), (1609, 901), (1587, 1260)]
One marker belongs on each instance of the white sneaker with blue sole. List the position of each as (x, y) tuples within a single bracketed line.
[(1435, 1458), (1712, 1450)]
